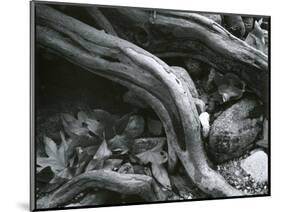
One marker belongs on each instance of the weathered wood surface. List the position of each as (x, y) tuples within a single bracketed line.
[(130, 184), (191, 35)]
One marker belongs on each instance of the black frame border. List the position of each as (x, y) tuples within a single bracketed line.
[(33, 109)]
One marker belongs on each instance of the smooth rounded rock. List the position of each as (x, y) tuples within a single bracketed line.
[(235, 130), (257, 166)]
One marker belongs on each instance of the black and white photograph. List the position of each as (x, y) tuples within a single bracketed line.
[(136, 105)]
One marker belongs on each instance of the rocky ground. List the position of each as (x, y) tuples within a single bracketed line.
[(248, 173)]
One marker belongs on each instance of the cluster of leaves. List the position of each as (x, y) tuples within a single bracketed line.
[(220, 88), (228, 86), (156, 157), (217, 90), (100, 140)]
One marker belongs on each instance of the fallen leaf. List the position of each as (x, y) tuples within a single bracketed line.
[(94, 165), (73, 126), (121, 124), (161, 175), (83, 126), (82, 154), (91, 150), (50, 147), (95, 127), (55, 156), (101, 155), (103, 116), (230, 86), (84, 142), (80, 168), (256, 38), (103, 151), (119, 144), (106, 119), (140, 145), (155, 155), (80, 160)]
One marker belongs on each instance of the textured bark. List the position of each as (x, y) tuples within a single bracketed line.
[(192, 35), (186, 189), (146, 75), (101, 20), (131, 184)]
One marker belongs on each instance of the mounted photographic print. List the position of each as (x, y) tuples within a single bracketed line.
[(145, 105)]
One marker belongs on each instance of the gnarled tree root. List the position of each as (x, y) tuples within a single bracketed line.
[(130, 184), (146, 75), (190, 35)]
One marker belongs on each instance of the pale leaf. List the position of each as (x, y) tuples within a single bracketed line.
[(101, 155), (95, 127), (56, 156), (154, 157), (45, 162), (82, 116), (161, 175), (73, 126), (50, 147), (103, 151)]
